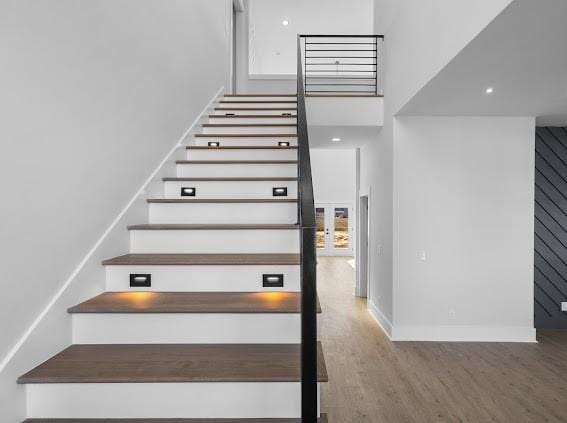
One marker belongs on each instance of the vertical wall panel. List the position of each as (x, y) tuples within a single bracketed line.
[(550, 273)]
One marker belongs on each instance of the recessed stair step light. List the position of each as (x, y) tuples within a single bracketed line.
[(286, 114), (214, 144), (273, 280), (188, 191), (138, 280), (230, 114), (283, 144), (279, 191)]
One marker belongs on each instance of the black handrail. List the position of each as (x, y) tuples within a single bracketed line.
[(307, 225)]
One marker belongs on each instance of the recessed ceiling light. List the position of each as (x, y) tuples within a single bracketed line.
[(336, 139), (489, 90), (285, 23)]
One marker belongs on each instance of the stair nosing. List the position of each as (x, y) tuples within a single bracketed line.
[(252, 116), (173, 259), (258, 102), (210, 227), (174, 359), (242, 147), (220, 201), (236, 302), (232, 179), (245, 135), (247, 125), (229, 162), (263, 109), (322, 419)]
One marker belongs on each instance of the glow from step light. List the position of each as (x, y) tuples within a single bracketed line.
[(137, 297), (283, 144), (489, 90), (188, 192), (336, 139), (285, 22)]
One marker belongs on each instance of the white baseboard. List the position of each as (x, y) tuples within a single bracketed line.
[(382, 320), (401, 333), (463, 333)]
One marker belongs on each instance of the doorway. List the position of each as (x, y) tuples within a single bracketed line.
[(363, 251), (334, 229)]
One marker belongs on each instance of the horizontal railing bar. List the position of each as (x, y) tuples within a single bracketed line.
[(338, 49), (344, 85), (340, 36), (340, 64), (371, 78), (341, 57), (332, 70)]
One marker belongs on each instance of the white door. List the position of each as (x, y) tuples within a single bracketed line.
[(334, 229)]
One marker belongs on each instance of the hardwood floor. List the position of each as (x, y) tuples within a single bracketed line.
[(374, 380)]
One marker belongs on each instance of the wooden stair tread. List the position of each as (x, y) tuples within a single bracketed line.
[(246, 125), (236, 161), (242, 147), (207, 226), (237, 179), (252, 116), (322, 419), (246, 135), (258, 101), (220, 200), (173, 363), (204, 260), (256, 108), (192, 302), (260, 95)]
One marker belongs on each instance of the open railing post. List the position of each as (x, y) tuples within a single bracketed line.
[(306, 221)]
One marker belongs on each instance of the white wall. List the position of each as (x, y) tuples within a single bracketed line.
[(421, 37), (94, 95), (463, 196), (274, 46), (334, 175)]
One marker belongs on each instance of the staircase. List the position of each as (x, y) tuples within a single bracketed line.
[(201, 321)]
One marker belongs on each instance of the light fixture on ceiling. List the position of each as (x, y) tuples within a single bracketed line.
[(285, 22), (336, 139), (489, 90)]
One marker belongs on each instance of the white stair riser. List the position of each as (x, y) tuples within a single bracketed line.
[(245, 141), (242, 154), (231, 189), (235, 170), (234, 104), (261, 98), (167, 328), (226, 213), (203, 278), (165, 400), (249, 130), (276, 120), (214, 241), (246, 111)]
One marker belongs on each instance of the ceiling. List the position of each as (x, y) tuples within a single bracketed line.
[(351, 136), (273, 46), (522, 55)]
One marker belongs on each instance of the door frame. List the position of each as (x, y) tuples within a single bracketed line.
[(329, 249), (362, 285)]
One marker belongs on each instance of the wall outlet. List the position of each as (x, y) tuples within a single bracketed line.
[(564, 306)]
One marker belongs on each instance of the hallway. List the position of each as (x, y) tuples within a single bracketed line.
[(375, 380)]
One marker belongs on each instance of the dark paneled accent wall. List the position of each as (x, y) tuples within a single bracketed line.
[(550, 273)]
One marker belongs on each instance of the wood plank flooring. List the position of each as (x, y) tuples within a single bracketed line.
[(322, 419), (373, 380)]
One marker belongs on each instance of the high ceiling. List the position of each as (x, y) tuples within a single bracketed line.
[(521, 55), (273, 45)]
